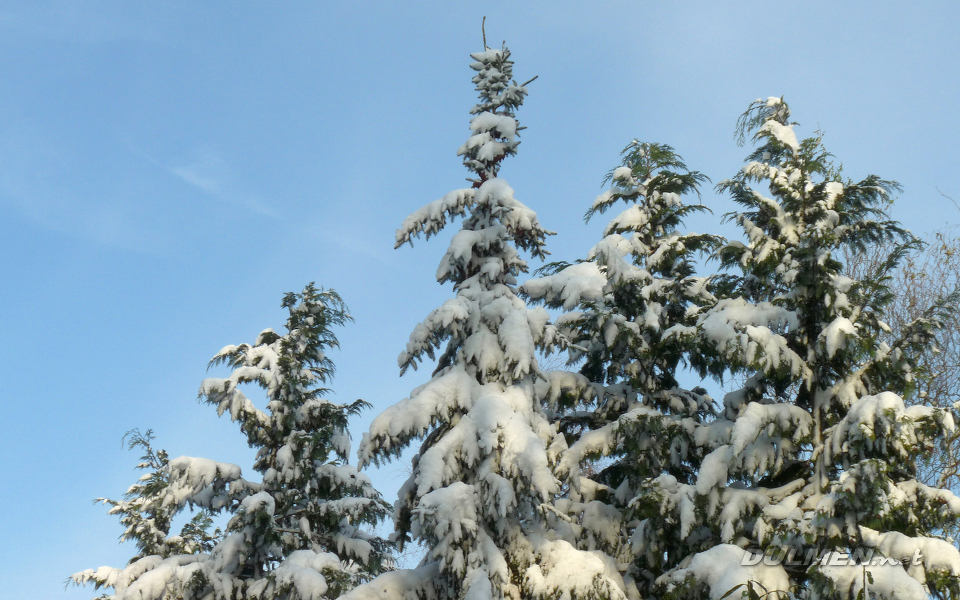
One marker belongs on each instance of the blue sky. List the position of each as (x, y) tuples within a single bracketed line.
[(169, 169)]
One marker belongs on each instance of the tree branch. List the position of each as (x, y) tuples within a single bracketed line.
[(948, 198)]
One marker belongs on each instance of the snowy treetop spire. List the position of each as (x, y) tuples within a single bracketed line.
[(494, 126), (483, 260), (481, 491)]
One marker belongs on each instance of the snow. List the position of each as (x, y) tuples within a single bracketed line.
[(938, 556), (911, 492), (624, 174), (302, 571), (721, 570), (889, 582), (882, 421), (714, 470), (518, 218), (735, 324), (787, 418), (484, 148), (581, 282), (676, 495), (836, 333), (632, 219), (404, 584), (451, 512), (491, 426), (433, 217), (505, 126), (782, 133), (562, 572), (259, 501), (489, 55), (412, 417), (190, 476)]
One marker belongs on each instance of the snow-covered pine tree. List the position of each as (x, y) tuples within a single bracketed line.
[(626, 404), (144, 515), (482, 484), (297, 533), (817, 452)]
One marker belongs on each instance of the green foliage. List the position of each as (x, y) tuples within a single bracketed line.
[(301, 434), (145, 515), (300, 532)]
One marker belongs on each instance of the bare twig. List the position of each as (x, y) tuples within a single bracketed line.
[(948, 198), (483, 30), (925, 276)]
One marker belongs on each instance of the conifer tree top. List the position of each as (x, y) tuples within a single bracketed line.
[(494, 125), (483, 260), (299, 533), (480, 491)]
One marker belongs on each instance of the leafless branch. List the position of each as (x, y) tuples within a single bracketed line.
[(948, 198), (925, 276)]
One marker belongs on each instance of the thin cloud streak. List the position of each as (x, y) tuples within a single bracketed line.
[(209, 173)]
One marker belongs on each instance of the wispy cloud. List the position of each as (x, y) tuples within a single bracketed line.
[(206, 184), (208, 172), (52, 183)]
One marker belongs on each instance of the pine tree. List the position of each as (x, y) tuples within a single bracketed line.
[(626, 405), (817, 452), (298, 533), (480, 497), (146, 518)]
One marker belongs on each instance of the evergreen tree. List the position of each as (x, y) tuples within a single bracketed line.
[(297, 533), (480, 497), (146, 518), (817, 452), (626, 404)]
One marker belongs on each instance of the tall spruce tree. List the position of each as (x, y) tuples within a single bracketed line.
[(626, 405), (817, 452), (298, 533), (481, 493)]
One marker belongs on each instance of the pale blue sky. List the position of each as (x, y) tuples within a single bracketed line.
[(169, 169)]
